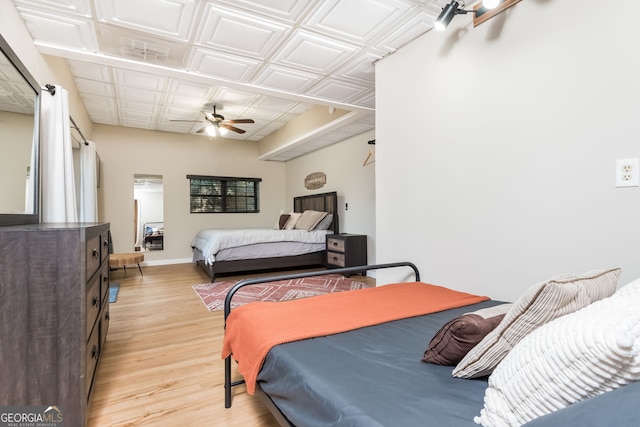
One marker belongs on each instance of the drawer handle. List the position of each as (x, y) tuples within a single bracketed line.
[(335, 258), (106, 315), (334, 243), (95, 301), (94, 352), (95, 254), (105, 277), (105, 243)]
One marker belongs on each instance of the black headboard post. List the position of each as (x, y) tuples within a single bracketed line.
[(323, 202)]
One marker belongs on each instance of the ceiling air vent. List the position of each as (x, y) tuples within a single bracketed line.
[(139, 49)]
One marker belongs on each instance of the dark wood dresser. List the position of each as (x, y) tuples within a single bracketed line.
[(54, 314)]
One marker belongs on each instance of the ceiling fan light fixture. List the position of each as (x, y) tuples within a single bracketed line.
[(210, 130)]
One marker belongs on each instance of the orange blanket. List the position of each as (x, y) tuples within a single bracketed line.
[(254, 328)]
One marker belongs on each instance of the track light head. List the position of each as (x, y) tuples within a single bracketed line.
[(445, 17)]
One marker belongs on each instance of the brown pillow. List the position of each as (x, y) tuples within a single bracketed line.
[(454, 340), (283, 220)]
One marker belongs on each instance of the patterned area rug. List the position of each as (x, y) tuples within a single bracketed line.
[(213, 294)]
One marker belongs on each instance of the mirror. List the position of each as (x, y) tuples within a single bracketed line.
[(148, 212), (19, 140)]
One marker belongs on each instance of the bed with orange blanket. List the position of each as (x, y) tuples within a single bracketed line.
[(356, 358), (257, 334)]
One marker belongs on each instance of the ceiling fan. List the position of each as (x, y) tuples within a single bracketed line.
[(217, 124)]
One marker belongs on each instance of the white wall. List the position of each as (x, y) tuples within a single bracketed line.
[(496, 148), (355, 184)]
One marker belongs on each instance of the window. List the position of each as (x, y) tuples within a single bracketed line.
[(218, 194)]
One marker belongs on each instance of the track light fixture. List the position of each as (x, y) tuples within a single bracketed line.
[(455, 8)]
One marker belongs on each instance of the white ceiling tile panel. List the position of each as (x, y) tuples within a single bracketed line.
[(142, 95), (408, 30), (338, 90), (238, 32), (368, 100), (138, 107), (222, 65), (105, 120), (224, 95), (176, 113), (100, 105), (62, 31), (78, 7), (90, 71), (288, 10), (166, 18), (280, 104), (10, 100), (315, 53), (286, 79), (94, 88), (361, 68), (356, 20), (133, 123), (138, 79), (185, 88)]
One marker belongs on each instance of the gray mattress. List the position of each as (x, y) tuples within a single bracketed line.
[(372, 377)]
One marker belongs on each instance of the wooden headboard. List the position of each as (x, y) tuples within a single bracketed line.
[(324, 202)]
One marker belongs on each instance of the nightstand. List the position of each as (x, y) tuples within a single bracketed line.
[(346, 250)]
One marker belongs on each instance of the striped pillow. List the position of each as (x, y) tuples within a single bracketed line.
[(581, 355), (539, 304)]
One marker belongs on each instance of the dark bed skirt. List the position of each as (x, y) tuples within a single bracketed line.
[(314, 259)]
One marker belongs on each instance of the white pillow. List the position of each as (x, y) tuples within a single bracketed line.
[(292, 221), (572, 358), (539, 304), (309, 220)]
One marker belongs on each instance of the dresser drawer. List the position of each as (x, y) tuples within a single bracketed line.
[(105, 246), (93, 303), (92, 355), (335, 259), (104, 325), (93, 255), (335, 244), (104, 283)]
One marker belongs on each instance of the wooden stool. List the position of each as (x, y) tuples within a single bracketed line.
[(122, 260)]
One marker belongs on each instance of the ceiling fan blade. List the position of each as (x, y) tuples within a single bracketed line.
[(201, 130), (240, 121), (209, 116), (232, 128)]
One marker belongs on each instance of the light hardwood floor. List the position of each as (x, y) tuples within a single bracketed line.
[(161, 364)]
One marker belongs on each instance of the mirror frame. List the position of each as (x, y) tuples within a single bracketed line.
[(26, 218)]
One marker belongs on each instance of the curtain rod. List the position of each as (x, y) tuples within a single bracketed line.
[(52, 90), (75, 126)]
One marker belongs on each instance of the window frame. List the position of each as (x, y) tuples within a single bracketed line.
[(218, 200)]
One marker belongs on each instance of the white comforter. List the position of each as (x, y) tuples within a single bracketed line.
[(211, 241)]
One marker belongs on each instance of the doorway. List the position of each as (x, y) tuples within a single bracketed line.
[(148, 204)]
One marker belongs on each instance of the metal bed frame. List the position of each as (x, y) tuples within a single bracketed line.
[(247, 282)]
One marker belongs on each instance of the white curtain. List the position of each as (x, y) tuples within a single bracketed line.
[(88, 183), (58, 186)]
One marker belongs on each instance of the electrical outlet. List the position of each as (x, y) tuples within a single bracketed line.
[(627, 173)]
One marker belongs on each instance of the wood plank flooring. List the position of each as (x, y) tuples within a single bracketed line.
[(161, 364)]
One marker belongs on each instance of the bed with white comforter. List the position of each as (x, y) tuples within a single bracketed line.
[(233, 244)]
